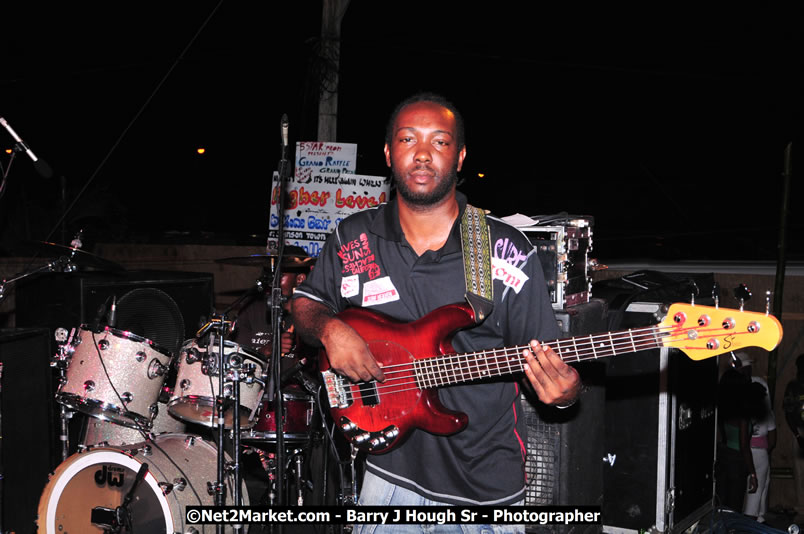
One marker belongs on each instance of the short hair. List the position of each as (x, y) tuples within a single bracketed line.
[(435, 99)]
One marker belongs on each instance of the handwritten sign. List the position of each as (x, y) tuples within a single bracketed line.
[(323, 191)]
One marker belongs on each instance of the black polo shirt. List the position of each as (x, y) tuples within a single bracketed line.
[(367, 262)]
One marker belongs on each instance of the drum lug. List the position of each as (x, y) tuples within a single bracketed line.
[(185, 383), (155, 369), (127, 397), (153, 409), (147, 450), (103, 344), (89, 386), (235, 360), (189, 441), (178, 485), (166, 488), (140, 356), (210, 367), (192, 355), (214, 487)]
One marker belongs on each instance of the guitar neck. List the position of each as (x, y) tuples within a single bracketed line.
[(459, 368)]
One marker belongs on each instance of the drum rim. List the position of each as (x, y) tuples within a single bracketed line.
[(95, 456), (294, 395), (242, 349), (77, 402), (125, 334), (199, 400), (270, 437)]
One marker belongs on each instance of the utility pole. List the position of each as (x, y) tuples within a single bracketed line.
[(329, 57)]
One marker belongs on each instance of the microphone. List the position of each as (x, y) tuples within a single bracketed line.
[(40, 165), (284, 130)]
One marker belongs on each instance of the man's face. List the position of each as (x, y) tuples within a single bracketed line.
[(423, 153)]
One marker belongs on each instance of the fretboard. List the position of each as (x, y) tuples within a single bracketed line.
[(458, 368)]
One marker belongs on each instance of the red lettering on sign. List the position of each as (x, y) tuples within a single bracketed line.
[(358, 201), (303, 197)]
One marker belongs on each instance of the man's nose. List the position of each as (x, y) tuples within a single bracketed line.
[(422, 155)]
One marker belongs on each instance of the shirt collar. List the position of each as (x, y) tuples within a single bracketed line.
[(387, 224)]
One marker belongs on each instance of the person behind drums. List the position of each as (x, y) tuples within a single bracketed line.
[(252, 328)]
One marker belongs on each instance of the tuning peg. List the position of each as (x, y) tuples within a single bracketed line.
[(742, 293)]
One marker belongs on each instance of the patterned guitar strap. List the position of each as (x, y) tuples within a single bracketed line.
[(476, 246)]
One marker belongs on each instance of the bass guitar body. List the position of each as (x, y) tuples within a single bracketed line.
[(378, 415)]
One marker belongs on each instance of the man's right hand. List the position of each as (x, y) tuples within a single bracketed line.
[(348, 353)]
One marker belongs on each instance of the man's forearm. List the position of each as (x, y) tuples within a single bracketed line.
[(310, 318)]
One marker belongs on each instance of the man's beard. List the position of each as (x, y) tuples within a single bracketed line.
[(444, 185)]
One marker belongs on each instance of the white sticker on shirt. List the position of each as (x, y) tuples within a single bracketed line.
[(350, 286), (379, 291), (511, 276)]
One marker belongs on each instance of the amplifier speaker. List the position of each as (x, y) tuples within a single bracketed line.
[(27, 448), (660, 413), (146, 299), (565, 446)]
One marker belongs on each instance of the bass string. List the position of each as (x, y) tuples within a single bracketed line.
[(649, 338)]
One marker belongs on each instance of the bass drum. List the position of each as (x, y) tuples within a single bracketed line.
[(179, 467), (100, 432)]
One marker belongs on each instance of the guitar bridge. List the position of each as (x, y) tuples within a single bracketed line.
[(337, 390)]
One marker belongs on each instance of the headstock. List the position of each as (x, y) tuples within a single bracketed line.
[(702, 331)]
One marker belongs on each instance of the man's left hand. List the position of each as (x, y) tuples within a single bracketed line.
[(555, 382)]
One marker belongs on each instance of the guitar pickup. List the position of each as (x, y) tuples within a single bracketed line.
[(337, 390), (368, 393)]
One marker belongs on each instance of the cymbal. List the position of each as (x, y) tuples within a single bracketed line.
[(79, 257), (264, 260)]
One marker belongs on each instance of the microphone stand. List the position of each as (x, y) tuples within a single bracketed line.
[(275, 387)]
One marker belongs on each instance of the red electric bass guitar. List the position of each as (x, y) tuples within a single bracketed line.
[(418, 357)]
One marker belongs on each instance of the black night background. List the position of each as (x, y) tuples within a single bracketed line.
[(668, 125)]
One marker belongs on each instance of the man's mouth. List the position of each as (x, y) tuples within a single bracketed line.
[(422, 174)]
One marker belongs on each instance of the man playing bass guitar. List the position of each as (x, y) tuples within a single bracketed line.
[(404, 259)]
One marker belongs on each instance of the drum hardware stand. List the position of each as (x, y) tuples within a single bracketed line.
[(62, 264), (351, 498), (236, 372), (60, 361), (275, 388)]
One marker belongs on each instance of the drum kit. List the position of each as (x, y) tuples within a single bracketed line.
[(164, 430)]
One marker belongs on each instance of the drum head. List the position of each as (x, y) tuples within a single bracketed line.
[(101, 479), (98, 480)]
